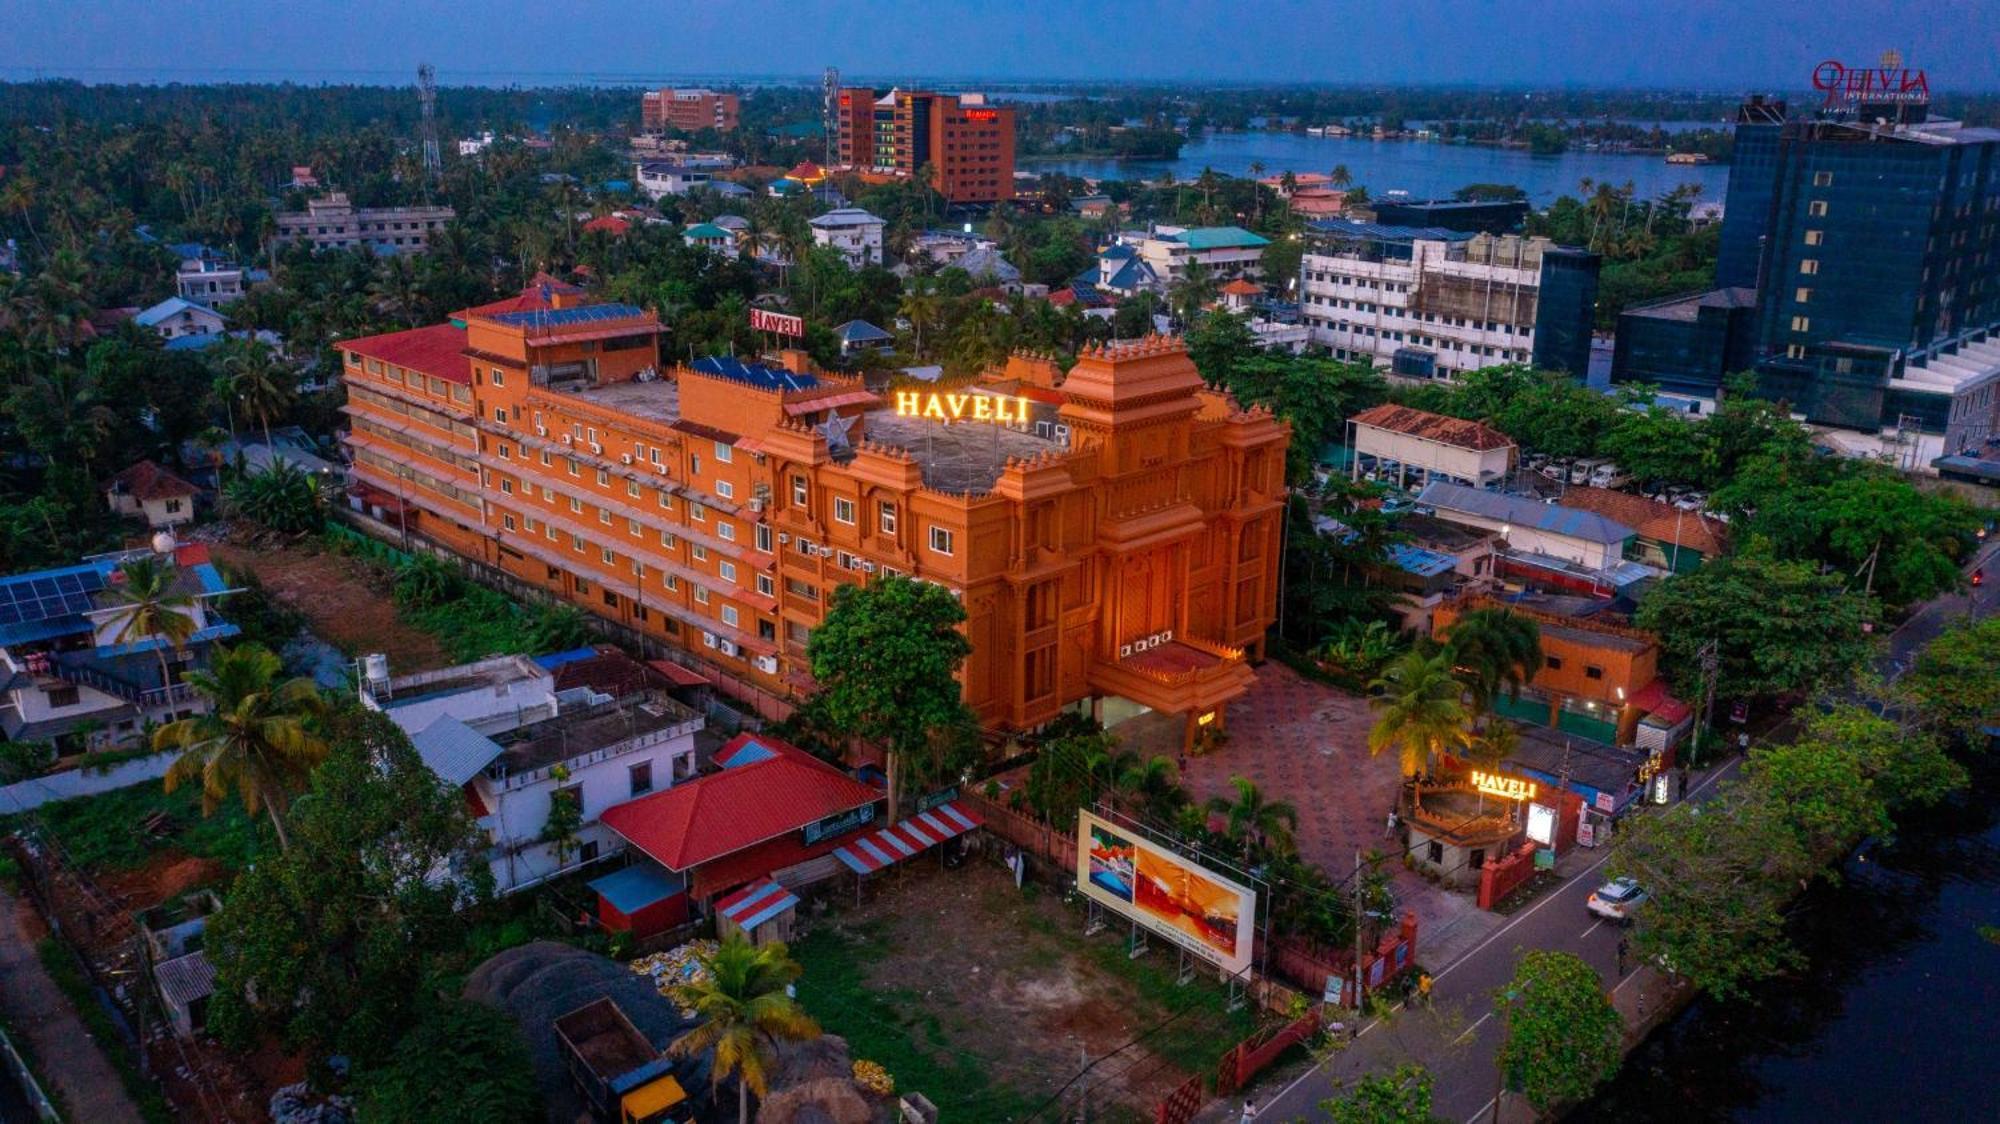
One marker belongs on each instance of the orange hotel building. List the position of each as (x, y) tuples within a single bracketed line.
[(967, 142), (1118, 536)]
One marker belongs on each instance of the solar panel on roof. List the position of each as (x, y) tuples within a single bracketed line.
[(583, 314)]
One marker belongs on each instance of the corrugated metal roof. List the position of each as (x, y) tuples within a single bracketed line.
[(185, 979), (455, 751), (1585, 525), (636, 887)]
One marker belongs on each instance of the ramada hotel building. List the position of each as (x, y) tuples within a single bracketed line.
[(1113, 531)]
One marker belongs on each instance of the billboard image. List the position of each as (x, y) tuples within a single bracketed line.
[(1195, 908)]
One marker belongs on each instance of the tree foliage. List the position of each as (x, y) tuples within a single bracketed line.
[(256, 737), (1955, 683), (462, 1063), (1492, 650), (1399, 1097), (1418, 711), (745, 1009), (1563, 1038)]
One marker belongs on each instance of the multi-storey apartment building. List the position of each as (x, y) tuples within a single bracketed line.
[(1112, 530), (331, 222), (1431, 303), (967, 144), (687, 110)]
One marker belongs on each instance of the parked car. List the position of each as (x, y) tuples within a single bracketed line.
[(1609, 475), (1691, 501), (1556, 470), (1617, 900)]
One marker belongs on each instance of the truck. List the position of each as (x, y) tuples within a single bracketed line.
[(617, 1069)]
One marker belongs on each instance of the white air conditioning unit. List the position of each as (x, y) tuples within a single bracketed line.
[(626, 459), (757, 503), (766, 664), (783, 538), (568, 440), (541, 431), (867, 566), (726, 647), (661, 469), (708, 639), (596, 448)]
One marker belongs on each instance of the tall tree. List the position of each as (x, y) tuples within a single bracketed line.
[(255, 737), (745, 1011), (1491, 649), (1419, 711), (1563, 1036), (149, 609), (1400, 1097), (1254, 821)]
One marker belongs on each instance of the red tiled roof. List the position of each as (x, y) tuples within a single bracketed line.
[(1434, 427), (1661, 522), (610, 223), (1063, 298), (148, 481), (1241, 288), (723, 813), (677, 675), (437, 350)]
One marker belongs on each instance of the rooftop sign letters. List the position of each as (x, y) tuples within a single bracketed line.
[(962, 407), (764, 320), (982, 115), (1507, 788), (1890, 82)]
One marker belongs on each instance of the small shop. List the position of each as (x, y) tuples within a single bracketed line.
[(879, 850), (1456, 824), (760, 913), (1589, 783), (644, 900)]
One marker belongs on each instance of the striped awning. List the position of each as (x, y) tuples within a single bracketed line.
[(891, 845), (755, 904)]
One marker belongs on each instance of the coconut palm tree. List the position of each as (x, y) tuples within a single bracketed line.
[(1253, 821), (1152, 785), (1494, 648), (1340, 176), (921, 307), (254, 378), (745, 1013), (1421, 714), (146, 607), (254, 738)]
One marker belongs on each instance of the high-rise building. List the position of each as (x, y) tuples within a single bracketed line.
[(1112, 530), (1753, 166), (1432, 303), (967, 144), (689, 111)]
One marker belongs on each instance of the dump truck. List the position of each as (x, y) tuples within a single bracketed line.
[(617, 1068)]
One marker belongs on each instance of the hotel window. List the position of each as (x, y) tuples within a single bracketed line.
[(726, 571), (603, 478), (1816, 208), (604, 516), (725, 489), (546, 459), (723, 453), (576, 542), (697, 512), (764, 538), (1809, 266), (499, 378), (507, 487), (574, 468), (843, 510), (1590, 672), (1801, 323), (604, 552), (941, 540), (701, 595), (699, 551), (726, 530), (1822, 179), (766, 586), (642, 778), (799, 490), (667, 539), (694, 464), (500, 414), (1815, 237), (632, 526), (653, 454), (729, 615), (673, 583), (549, 531), (507, 521), (666, 500), (576, 505), (505, 453), (1802, 295), (632, 488), (1553, 663), (886, 516)]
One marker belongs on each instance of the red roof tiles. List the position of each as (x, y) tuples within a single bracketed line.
[(148, 481), (1661, 522), (1434, 427), (438, 350)]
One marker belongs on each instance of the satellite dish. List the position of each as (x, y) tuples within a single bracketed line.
[(164, 541)]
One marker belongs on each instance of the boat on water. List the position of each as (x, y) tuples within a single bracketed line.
[(1689, 158)]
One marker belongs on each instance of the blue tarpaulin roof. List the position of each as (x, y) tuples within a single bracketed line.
[(555, 660), (636, 887), (1416, 560)]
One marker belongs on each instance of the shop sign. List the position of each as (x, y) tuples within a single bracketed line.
[(940, 797), (764, 320), (962, 407), (1606, 802), (982, 115), (1505, 787), (1542, 824), (1890, 82), (840, 824)]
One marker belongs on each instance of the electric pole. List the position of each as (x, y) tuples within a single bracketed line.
[(829, 92), (1711, 663), (428, 131)]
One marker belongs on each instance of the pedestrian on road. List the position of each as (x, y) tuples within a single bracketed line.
[(1624, 947), (1743, 742), (1389, 831), (1249, 1111), (1424, 987)]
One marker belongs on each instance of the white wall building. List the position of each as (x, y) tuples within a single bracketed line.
[(1409, 448), (657, 179), (853, 231), (1526, 526), (176, 317), (1224, 251), (500, 730)]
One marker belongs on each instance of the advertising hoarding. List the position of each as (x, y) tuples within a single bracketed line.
[(764, 320), (1197, 909)]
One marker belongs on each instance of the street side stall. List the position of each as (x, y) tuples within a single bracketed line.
[(880, 850)]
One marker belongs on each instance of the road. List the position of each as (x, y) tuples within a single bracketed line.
[(1457, 1038)]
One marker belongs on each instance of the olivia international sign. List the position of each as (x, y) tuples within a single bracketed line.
[(945, 407), (1505, 787), (1889, 82)]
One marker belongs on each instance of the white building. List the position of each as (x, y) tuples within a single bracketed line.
[(1424, 303), (177, 317), (1566, 534), (501, 730), (853, 231), (214, 281), (1408, 448), (657, 179), (1224, 251)]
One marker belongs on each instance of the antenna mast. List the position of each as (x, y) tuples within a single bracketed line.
[(427, 96), (829, 87)]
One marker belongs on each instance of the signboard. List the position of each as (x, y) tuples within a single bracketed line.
[(1334, 986), (1890, 82), (982, 115), (1197, 909), (932, 800), (1542, 824), (1505, 787), (764, 320), (840, 824), (1606, 802), (961, 407)]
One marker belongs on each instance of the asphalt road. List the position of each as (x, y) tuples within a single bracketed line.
[(1457, 1037)]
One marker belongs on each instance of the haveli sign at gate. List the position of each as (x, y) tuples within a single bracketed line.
[(1509, 788), (962, 407)]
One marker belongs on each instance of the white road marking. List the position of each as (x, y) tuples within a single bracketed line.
[(1483, 1111), (1469, 1031), (1592, 929)]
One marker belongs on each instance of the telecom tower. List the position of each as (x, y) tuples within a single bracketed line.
[(829, 87), (427, 95)]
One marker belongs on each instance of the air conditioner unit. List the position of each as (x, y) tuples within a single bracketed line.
[(726, 647), (596, 448), (767, 664), (757, 503), (783, 538), (661, 469), (568, 440), (868, 566), (541, 431), (626, 459), (708, 639)]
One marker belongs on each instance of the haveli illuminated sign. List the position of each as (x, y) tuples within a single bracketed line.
[(1507, 788), (764, 320), (1890, 82), (962, 407)]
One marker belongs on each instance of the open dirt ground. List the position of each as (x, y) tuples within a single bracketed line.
[(346, 604)]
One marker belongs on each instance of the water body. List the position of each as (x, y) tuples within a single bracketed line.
[(1425, 169), (1894, 1020)]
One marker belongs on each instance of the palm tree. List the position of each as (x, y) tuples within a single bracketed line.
[(745, 1012), (146, 606), (920, 306), (1194, 289), (1421, 714), (1253, 821), (1494, 648), (1340, 176), (254, 377), (254, 737), (1152, 785)]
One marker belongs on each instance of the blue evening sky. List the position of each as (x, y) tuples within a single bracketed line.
[(1719, 44)]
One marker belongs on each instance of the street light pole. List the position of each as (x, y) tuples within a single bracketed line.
[(1711, 662)]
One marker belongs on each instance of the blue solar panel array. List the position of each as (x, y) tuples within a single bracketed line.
[(756, 374), (583, 314), (28, 599)]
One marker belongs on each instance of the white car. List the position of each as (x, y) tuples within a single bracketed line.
[(1616, 900)]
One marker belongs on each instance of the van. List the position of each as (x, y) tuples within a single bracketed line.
[(1579, 473), (1609, 476)]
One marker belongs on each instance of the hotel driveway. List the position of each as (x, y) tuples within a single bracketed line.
[(1306, 743)]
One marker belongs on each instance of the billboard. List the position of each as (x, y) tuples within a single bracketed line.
[(764, 320), (1197, 909)]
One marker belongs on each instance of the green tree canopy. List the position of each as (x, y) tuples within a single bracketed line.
[(257, 735), (1401, 1097), (1564, 1038), (745, 1010), (462, 1063), (1954, 681), (1419, 712)]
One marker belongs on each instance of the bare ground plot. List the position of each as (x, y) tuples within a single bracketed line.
[(345, 601), (988, 999)]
